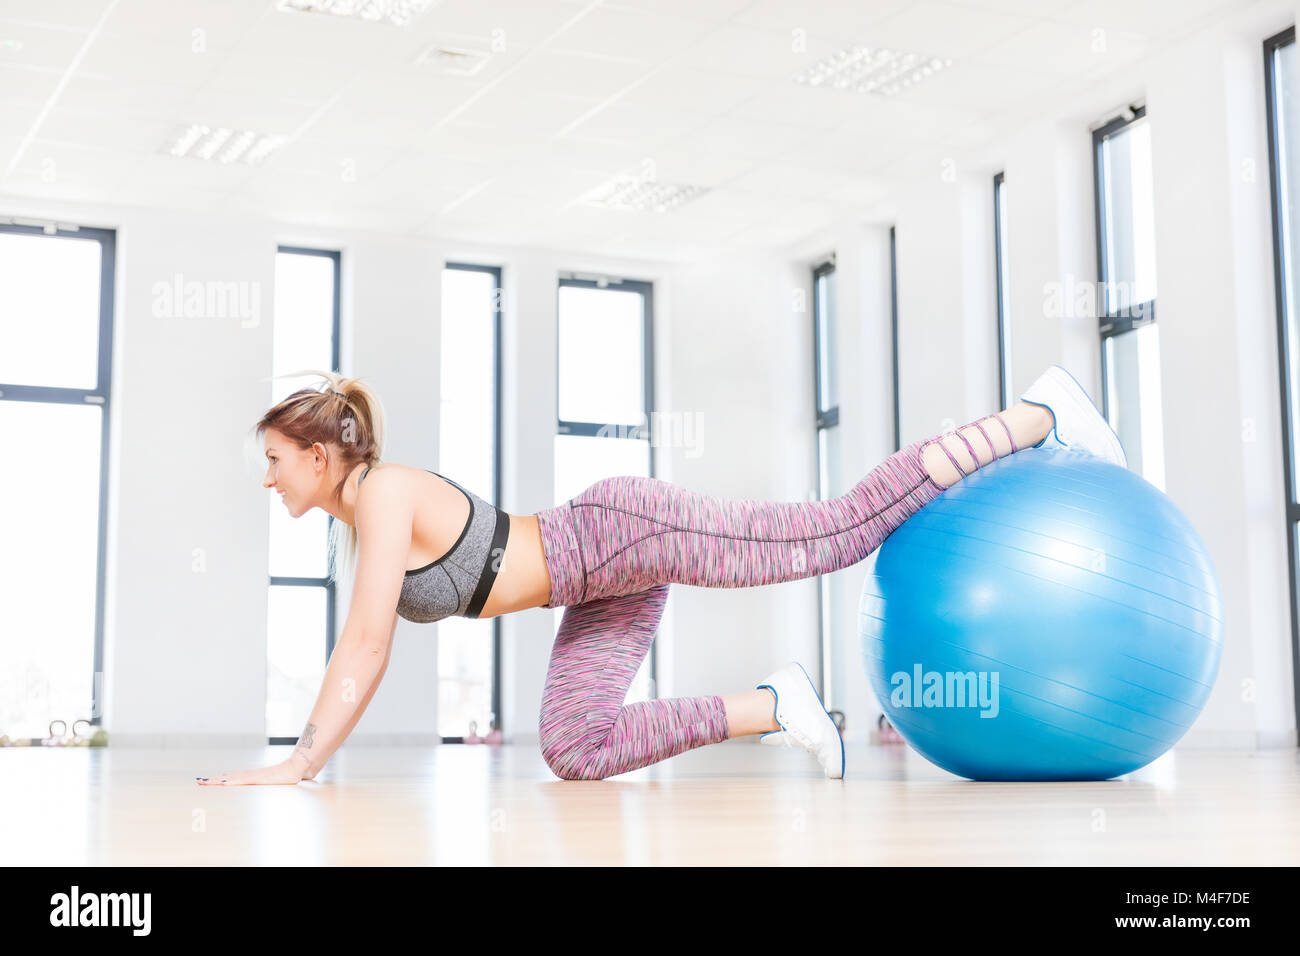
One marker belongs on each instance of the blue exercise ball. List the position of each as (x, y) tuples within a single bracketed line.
[(1053, 616)]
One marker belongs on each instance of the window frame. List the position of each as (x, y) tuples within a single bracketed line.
[(498, 489), (823, 419), (616, 430), (101, 394), (1287, 386), (1136, 315), (327, 582), (999, 282), (893, 333)]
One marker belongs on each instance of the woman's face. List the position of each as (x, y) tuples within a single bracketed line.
[(289, 472)]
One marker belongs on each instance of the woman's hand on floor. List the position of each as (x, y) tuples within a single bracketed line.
[(287, 771)]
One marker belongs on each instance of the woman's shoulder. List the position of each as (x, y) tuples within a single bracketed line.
[(397, 477)]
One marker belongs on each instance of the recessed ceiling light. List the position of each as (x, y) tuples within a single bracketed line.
[(397, 12), (872, 70), (223, 144), (642, 195)]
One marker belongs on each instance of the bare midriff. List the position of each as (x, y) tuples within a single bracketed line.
[(523, 580)]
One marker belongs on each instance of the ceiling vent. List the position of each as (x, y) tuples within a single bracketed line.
[(454, 60)]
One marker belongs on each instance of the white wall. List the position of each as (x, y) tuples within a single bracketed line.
[(741, 366)]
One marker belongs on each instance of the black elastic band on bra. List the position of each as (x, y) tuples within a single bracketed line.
[(500, 535)]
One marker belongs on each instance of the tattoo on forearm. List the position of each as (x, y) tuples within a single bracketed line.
[(305, 742)]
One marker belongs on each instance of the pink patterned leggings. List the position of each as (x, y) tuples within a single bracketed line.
[(614, 550)]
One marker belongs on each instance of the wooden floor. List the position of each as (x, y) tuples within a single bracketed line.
[(731, 803)]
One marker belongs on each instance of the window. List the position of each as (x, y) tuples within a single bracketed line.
[(56, 345), (1000, 279), (301, 600), (1130, 347), (1282, 95), (469, 452), (604, 382), (893, 334), (829, 436)]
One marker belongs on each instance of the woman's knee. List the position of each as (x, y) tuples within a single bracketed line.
[(569, 762)]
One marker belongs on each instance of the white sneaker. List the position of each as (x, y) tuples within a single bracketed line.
[(803, 718), (1077, 422)]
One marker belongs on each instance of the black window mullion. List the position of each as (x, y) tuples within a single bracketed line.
[(498, 488), (999, 267), (893, 334), (823, 418), (1281, 297)]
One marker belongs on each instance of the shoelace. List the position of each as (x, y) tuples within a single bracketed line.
[(790, 740), (793, 735)]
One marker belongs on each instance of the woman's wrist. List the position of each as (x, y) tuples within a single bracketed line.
[(301, 763)]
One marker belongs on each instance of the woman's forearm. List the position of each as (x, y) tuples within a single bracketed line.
[(319, 760), (353, 672)]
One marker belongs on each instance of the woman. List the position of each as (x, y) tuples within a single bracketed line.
[(426, 549)]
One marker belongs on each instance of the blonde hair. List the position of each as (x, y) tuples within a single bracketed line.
[(347, 415)]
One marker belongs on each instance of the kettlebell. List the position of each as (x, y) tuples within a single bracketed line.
[(78, 740), (61, 739)]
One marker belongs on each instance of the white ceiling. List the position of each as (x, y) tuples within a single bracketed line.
[(92, 92)]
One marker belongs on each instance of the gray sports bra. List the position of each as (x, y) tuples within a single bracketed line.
[(458, 583)]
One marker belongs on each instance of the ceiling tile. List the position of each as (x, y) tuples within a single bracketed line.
[(640, 127), (144, 56), (119, 96), (32, 87), (1060, 48), (75, 15), (1149, 18), (843, 20), (606, 31), (682, 88), (711, 11), (511, 108), (100, 130), (743, 50), (503, 22), (793, 104), (68, 170), (37, 45), (937, 28), (575, 74)]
